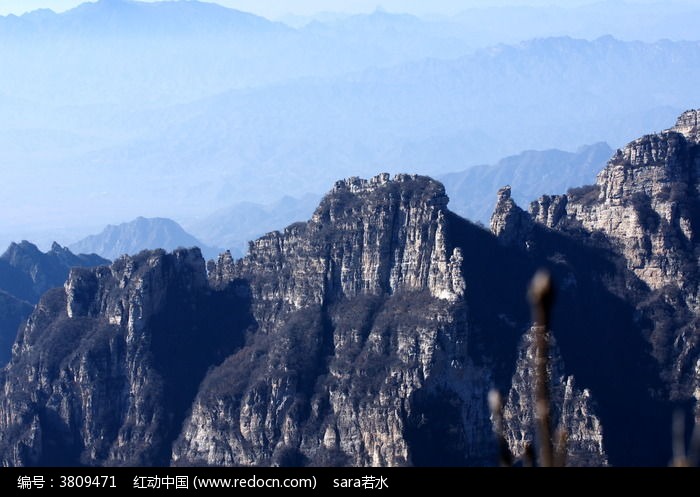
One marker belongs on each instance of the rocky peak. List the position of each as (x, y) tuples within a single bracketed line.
[(112, 360), (220, 271), (645, 208), (573, 411), (354, 301), (645, 201), (19, 252), (413, 186), (509, 222), (371, 236), (91, 292), (56, 247), (687, 125)]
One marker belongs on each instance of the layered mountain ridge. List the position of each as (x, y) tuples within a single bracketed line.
[(25, 274), (371, 334)]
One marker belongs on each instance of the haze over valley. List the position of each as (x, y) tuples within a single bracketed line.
[(120, 109)]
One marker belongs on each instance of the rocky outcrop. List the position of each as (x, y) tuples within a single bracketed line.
[(687, 125), (549, 209), (530, 174), (643, 211), (105, 368), (367, 237), (509, 222), (362, 316), (646, 201)]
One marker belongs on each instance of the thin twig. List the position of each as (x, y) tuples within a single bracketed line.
[(694, 455), (541, 295), (560, 452), (679, 457), (529, 456), (505, 456)]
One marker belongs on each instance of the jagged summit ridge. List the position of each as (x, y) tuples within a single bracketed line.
[(434, 191), (645, 201), (27, 273), (366, 237), (645, 208), (332, 289)]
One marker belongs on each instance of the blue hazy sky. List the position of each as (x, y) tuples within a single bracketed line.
[(277, 8)]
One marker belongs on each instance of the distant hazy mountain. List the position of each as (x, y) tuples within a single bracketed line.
[(482, 26), (26, 272), (530, 174), (648, 21), (117, 17), (432, 117), (140, 234), (234, 226), (208, 106), (129, 46)]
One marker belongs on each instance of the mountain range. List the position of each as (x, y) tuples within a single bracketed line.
[(490, 24), (371, 334), (431, 116), (275, 111)]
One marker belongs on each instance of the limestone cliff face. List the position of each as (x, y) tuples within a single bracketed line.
[(364, 388), (573, 412), (367, 237), (361, 313), (644, 212), (646, 202), (97, 375)]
